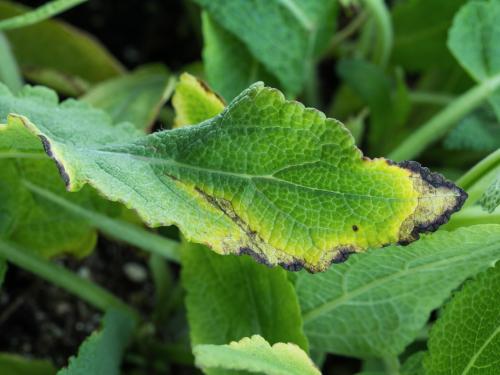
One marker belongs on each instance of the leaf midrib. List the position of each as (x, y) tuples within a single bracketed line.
[(173, 162), (476, 355), (332, 304)]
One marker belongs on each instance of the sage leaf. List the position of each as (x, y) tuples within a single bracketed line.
[(491, 197), (286, 36), (254, 354), (265, 177), (473, 40), (229, 65), (257, 300), (136, 97), (102, 352), (58, 55), (376, 303), (466, 338)]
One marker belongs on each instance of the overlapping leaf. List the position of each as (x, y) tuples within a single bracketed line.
[(491, 197), (285, 36), (254, 354), (102, 352), (266, 177), (376, 303), (466, 338)]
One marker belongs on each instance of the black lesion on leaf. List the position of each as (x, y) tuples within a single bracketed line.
[(258, 257), (48, 150), (343, 254), (355, 228), (436, 180), (294, 266)]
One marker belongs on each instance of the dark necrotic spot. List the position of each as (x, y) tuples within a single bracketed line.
[(355, 228), (342, 255), (48, 149), (293, 266), (258, 257)]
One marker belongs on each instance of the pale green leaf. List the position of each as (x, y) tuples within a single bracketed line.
[(285, 35), (102, 352), (473, 40), (491, 197), (254, 354), (423, 23), (229, 66), (232, 297), (266, 176), (376, 303), (56, 47), (136, 97), (45, 11), (479, 131), (466, 338), (12, 364), (194, 102), (9, 71)]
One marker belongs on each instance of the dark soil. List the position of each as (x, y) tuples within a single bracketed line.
[(40, 320)]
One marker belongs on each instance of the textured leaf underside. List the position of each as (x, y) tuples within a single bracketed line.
[(266, 177)]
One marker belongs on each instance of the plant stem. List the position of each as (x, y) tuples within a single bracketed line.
[(346, 32), (437, 126), (382, 18), (479, 170), (60, 276), (422, 97), (116, 228), (9, 70), (39, 14), (391, 365), (472, 216)]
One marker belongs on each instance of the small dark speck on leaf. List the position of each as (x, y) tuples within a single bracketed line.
[(355, 228)]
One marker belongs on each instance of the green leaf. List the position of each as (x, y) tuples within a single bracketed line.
[(12, 364), (423, 23), (388, 101), (44, 12), (466, 338), (56, 47), (414, 364), (376, 303), (102, 352), (9, 71), (266, 177), (254, 354), (232, 297), (136, 97), (194, 102), (285, 36), (479, 131), (229, 66), (3, 270), (473, 40), (491, 197)]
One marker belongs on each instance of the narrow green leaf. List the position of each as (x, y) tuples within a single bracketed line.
[(491, 197), (229, 66), (376, 303), (466, 338), (59, 48), (254, 354), (232, 297), (423, 23), (44, 12), (9, 71), (285, 35), (194, 102), (12, 364), (266, 177), (102, 352), (136, 97), (473, 40)]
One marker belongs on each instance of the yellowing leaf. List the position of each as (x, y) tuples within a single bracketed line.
[(266, 177), (254, 354), (194, 102)]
